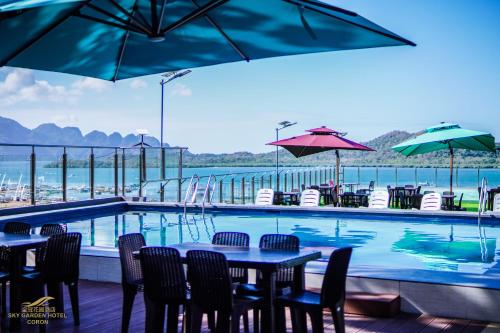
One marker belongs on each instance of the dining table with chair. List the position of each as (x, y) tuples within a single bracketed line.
[(272, 262)]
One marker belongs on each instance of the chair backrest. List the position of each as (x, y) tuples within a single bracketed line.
[(19, 228), (309, 198), (62, 257), (265, 197), (333, 288), (234, 239), (281, 242), (210, 280), (131, 267), (314, 187), (371, 186), (496, 203), (431, 201), (50, 229), (163, 273), (419, 188), (379, 199)]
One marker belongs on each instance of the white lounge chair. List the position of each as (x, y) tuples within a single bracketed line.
[(265, 197), (431, 201), (309, 198), (379, 200), (496, 203)]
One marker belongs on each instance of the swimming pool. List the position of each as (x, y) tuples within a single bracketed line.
[(396, 242)]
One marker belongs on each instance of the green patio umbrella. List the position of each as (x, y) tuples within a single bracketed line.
[(447, 136)]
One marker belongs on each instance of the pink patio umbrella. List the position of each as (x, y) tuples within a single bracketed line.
[(319, 140)]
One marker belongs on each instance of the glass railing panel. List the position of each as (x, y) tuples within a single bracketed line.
[(78, 161), (104, 181), (48, 175), (15, 188), (132, 172)]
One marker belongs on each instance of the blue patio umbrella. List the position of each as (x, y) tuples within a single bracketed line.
[(120, 39)]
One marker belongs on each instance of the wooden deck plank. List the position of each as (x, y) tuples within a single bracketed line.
[(101, 305)]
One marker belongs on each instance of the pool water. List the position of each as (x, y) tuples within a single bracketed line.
[(396, 242)]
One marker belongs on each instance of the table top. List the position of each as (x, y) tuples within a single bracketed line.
[(252, 257), (21, 241)]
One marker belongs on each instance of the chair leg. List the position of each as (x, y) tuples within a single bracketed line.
[(256, 320), (4, 299), (155, 316), (128, 303), (73, 295), (223, 324), (172, 318), (211, 320), (317, 321), (338, 319), (299, 320), (194, 318), (235, 323), (280, 319), (246, 328)]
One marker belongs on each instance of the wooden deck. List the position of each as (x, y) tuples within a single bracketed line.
[(100, 311)]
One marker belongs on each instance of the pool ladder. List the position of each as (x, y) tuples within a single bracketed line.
[(481, 209), (191, 191), (208, 194)]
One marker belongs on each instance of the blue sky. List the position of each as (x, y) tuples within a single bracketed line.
[(452, 75)]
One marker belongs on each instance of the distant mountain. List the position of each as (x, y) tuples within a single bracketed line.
[(51, 134), (13, 132)]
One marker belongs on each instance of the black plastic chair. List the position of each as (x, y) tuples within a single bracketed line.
[(284, 277), (238, 275), (332, 296), (459, 206), (164, 285), (61, 264), (132, 280), (212, 291), (19, 228), (49, 229), (4, 277)]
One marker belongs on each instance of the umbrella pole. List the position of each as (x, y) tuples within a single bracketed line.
[(451, 169), (337, 171)]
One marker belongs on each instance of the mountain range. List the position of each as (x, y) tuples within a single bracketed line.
[(13, 132)]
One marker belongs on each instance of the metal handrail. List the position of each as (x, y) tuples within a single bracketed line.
[(3, 144), (483, 198), (209, 192), (191, 191)]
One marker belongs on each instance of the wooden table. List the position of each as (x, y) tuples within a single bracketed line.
[(268, 262), (18, 245)]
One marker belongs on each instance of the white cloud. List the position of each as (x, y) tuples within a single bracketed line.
[(90, 84), (180, 89), (20, 85), (138, 84)]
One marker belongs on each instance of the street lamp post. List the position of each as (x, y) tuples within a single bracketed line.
[(168, 77), (283, 124)]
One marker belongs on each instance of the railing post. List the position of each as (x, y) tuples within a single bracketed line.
[(298, 180), (116, 176), (310, 178), (252, 188), (64, 182), (396, 171), (179, 176), (305, 178), (416, 178), (271, 181), (232, 190), (142, 170), (315, 177), (163, 161), (92, 173), (435, 177), (262, 181), (478, 177), (277, 181), (221, 197), (123, 172), (243, 190), (33, 175)]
